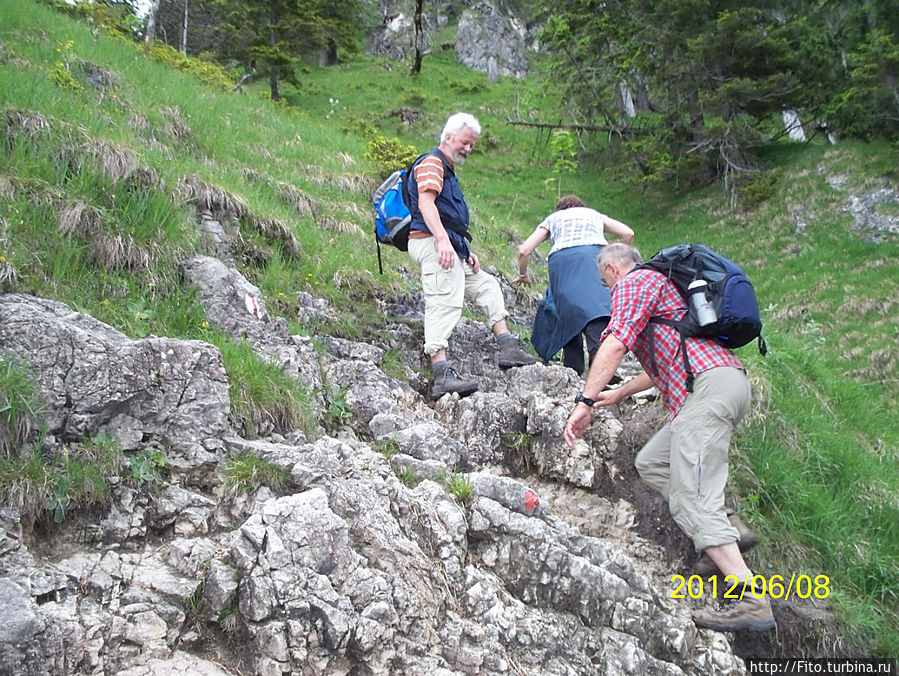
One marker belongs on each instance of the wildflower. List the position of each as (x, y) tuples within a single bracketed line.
[(2, 259), (280, 293), (204, 324)]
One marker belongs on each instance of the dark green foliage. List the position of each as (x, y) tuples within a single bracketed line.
[(275, 33), (869, 106), (388, 153), (718, 75), (337, 411), (756, 189), (116, 17), (149, 467)]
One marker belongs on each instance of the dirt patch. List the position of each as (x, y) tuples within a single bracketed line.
[(653, 521)]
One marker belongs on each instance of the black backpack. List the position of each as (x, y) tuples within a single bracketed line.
[(727, 289)]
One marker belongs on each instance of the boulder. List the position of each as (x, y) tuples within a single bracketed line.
[(95, 380)]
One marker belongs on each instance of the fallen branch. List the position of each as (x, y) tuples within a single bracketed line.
[(578, 127), (239, 86)]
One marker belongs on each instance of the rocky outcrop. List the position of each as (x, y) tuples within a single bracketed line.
[(492, 40), (461, 537), (96, 380), (490, 37)]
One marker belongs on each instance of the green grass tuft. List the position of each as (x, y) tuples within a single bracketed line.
[(245, 472)]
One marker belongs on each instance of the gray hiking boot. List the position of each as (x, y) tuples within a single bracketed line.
[(750, 613), (747, 540), (511, 353), (449, 380)]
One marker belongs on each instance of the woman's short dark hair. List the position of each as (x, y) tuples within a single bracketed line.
[(568, 202)]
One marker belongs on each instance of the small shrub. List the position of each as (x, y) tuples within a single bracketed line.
[(206, 71), (337, 410), (149, 467), (756, 190), (63, 79), (388, 153), (245, 472)]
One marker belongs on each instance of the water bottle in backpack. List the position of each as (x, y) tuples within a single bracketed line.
[(700, 305)]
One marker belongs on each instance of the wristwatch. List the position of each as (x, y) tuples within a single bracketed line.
[(581, 399)]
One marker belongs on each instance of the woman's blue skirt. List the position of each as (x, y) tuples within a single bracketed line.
[(575, 295)]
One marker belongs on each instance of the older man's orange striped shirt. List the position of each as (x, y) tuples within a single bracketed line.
[(429, 174)]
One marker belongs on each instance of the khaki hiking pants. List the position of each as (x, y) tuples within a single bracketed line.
[(446, 290), (686, 461)]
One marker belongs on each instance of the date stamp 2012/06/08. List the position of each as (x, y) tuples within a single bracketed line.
[(776, 587)]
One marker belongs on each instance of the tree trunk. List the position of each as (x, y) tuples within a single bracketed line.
[(624, 100), (184, 31), (419, 39), (273, 73), (273, 83), (150, 33)]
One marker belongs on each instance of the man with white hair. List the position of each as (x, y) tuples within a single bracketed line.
[(450, 271)]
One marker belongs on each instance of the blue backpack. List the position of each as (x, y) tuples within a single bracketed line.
[(729, 291), (392, 217)]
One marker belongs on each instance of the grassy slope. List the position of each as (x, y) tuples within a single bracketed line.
[(816, 466)]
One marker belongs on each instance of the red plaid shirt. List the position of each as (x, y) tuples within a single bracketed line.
[(642, 294)]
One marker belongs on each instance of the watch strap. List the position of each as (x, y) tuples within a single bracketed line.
[(581, 399)]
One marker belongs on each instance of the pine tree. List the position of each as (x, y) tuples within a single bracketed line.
[(274, 33)]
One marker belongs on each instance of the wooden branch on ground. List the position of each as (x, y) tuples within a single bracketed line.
[(239, 86), (578, 127)]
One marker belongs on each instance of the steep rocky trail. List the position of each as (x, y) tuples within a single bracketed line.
[(559, 561)]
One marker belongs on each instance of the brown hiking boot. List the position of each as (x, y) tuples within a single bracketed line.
[(753, 614), (747, 540)]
